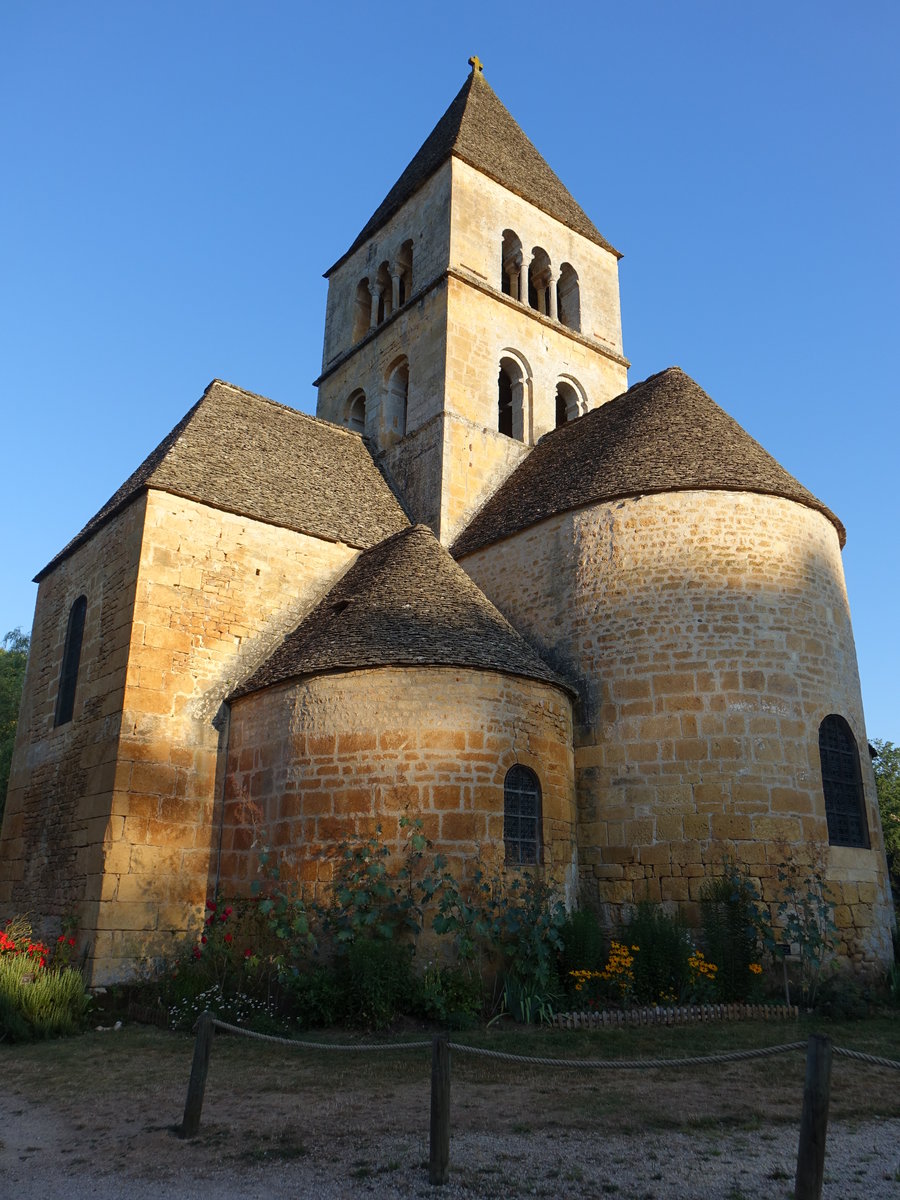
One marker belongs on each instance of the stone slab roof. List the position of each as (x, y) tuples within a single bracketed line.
[(244, 454), (662, 435), (402, 603), (478, 129)]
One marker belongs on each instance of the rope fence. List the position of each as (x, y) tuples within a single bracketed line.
[(813, 1121)]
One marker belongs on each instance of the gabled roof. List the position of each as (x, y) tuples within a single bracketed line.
[(244, 454), (662, 435), (478, 129), (402, 603)]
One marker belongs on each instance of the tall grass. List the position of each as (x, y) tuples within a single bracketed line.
[(39, 1003)]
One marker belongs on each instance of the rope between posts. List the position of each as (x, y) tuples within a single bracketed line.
[(268, 1037), (867, 1058), (633, 1063), (595, 1064)]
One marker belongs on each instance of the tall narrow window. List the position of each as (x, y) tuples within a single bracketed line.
[(68, 675), (362, 310), (505, 403), (568, 299), (845, 808), (393, 409), (356, 412), (511, 266), (522, 816)]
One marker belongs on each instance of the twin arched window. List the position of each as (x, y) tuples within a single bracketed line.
[(68, 675), (522, 816), (845, 807)]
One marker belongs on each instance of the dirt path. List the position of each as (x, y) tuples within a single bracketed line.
[(95, 1119)]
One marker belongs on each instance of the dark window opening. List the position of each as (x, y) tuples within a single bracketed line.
[(562, 410), (522, 816), (68, 676), (505, 404), (845, 808)]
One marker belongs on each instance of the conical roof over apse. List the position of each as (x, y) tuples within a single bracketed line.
[(664, 434), (405, 602), (478, 129)]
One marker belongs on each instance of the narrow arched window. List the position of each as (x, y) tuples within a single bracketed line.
[(539, 281), (404, 267), (384, 289), (362, 310), (395, 402), (568, 299), (68, 675), (511, 274), (567, 403), (522, 816), (845, 808), (504, 403), (356, 412)]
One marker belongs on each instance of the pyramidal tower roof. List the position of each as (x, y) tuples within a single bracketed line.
[(478, 129), (664, 434), (405, 602)]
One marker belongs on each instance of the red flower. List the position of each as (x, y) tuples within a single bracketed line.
[(229, 938), (61, 939), (211, 906), (228, 912), (71, 941), (197, 952), (248, 953), (203, 940)]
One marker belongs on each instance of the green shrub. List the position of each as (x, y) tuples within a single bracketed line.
[(735, 930), (375, 977), (452, 995), (661, 970), (312, 997), (583, 942)]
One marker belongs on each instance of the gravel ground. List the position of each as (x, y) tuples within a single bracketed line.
[(44, 1156)]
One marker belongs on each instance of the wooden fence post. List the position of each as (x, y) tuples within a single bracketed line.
[(814, 1120), (439, 1160), (193, 1105)]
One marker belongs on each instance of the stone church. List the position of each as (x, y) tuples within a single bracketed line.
[(565, 622)]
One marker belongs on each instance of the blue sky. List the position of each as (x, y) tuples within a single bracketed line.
[(177, 176)]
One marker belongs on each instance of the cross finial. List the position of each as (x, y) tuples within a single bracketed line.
[(476, 64)]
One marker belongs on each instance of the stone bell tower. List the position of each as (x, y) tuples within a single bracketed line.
[(477, 310)]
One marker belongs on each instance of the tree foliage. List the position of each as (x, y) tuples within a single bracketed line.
[(13, 656), (887, 781)]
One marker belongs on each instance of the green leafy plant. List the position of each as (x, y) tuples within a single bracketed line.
[(661, 970), (37, 999), (736, 929), (805, 916)]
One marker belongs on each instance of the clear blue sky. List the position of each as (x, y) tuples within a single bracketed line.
[(176, 176)]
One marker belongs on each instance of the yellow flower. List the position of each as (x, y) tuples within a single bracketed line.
[(756, 968)]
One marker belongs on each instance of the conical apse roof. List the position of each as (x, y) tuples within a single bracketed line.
[(405, 602), (665, 434)]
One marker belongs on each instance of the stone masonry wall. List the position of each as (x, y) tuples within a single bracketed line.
[(62, 778), (215, 593), (480, 212), (710, 635), (327, 758)]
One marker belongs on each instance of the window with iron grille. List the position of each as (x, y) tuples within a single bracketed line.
[(845, 808), (68, 675), (522, 816)]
